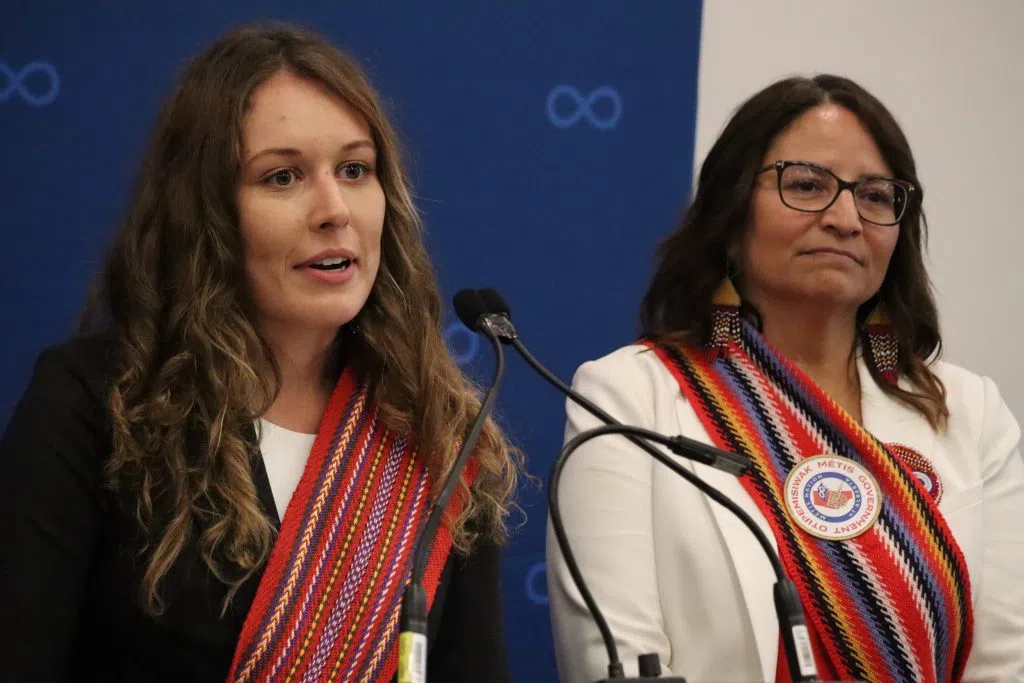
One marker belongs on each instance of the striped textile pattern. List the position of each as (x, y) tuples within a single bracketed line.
[(328, 604), (892, 604)]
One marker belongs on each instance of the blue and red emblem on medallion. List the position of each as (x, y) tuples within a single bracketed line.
[(832, 497)]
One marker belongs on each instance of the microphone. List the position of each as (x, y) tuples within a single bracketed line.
[(499, 319), (412, 639), (789, 611)]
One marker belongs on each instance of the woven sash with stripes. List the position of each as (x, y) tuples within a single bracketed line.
[(892, 604), (328, 603)]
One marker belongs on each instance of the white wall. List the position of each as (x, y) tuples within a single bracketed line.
[(952, 72)]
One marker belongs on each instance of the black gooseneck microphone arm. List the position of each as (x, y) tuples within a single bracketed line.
[(789, 611), (412, 639)]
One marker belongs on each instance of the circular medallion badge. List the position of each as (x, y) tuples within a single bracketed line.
[(832, 497), (920, 467)]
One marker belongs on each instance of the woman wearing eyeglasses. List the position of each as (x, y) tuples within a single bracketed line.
[(791, 320)]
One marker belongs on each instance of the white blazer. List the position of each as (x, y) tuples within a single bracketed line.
[(677, 574)]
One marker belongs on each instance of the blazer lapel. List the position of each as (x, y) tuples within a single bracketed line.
[(261, 480), (753, 569), (243, 599), (889, 420)]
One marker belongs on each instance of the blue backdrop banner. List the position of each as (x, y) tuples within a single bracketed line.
[(550, 146)]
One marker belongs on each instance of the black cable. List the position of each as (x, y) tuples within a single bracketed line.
[(423, 552), (412, 639)]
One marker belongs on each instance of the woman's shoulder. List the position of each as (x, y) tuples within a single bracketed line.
[(956, 376), (631, 363), (61, 418), (71, 380), (961, 384), (974, 400), (630, 382), (87, 360)]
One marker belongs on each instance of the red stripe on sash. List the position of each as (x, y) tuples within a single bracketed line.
[(328, 602), (890, 604)]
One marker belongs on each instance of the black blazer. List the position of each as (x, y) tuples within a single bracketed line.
[(70, 566)]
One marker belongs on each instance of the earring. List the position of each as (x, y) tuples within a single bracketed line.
[(883, 344), (725, 316)]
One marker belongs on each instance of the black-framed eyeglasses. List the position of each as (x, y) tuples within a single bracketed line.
[(806, 187)]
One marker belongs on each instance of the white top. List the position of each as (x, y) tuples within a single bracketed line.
[(677, 574), (284, 454)]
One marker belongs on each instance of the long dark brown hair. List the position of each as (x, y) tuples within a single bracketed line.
[(195, 373), (693, 260)]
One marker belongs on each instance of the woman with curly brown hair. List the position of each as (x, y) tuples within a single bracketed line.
[(224, 475)]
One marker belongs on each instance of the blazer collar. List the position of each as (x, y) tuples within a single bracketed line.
[(890, 420)]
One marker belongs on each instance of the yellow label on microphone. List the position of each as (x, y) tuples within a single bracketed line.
[(412, 657)]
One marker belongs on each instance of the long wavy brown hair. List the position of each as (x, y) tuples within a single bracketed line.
[(693, 260), (195, 373)]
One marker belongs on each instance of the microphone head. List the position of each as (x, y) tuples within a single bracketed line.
[(495, 302), (470, 308)]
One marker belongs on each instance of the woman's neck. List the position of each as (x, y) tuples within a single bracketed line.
[(821, 344), (302, 394)]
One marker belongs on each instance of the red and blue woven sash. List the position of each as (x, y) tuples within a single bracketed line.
[(892, 604), (328, 603)]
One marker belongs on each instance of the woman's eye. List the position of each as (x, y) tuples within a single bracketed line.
[(355, 171), (282, 178), (805, 186)]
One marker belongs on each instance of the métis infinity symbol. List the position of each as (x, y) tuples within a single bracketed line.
[(12, 82), (536, 584), (585, 107), (462, 342)]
